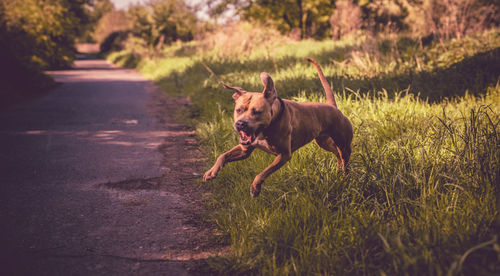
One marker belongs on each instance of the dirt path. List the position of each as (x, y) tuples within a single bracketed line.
[(97, 179)]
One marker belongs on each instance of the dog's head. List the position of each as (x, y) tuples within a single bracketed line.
[(253, 110)]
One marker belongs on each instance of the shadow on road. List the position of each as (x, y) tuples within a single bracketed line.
[(97, 179)]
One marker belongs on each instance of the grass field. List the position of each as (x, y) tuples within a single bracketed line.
[(423, 194)]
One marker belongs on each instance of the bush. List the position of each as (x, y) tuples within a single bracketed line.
[(115, 41), (21, 74), (52, 25)]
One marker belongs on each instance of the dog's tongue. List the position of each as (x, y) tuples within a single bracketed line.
[(244, 138)]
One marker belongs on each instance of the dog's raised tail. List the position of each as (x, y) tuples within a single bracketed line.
[(330, 98)]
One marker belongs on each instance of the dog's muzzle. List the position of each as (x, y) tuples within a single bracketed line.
[(247, 135)]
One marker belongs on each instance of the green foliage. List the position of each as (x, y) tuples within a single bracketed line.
[(315, 18), (115, 41), (163, 22), (95, 10), (20, 73), (36, 35), (111, 22), (52, 25), (306, 18), (125, 59), (101, 8), (309, 17), (422, 197), (384, 15)]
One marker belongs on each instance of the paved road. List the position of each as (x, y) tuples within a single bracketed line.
[(62, 157)]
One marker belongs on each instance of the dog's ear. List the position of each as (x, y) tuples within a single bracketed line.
[(239, 91), (269, 89), (236, 96)]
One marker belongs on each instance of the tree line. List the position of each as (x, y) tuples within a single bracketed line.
[(41, 34), (321, 19), (160, 22)]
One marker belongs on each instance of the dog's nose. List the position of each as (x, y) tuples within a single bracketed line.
[(240, 125)]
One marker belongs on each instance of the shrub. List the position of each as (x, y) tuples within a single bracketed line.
[(53, 26), (115, 41)]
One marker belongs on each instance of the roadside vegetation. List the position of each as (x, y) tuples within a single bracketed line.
[(419, 81), (421, 197), (39, 35)]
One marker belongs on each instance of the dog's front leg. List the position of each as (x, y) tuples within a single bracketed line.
[(278, 162), (239, 152)]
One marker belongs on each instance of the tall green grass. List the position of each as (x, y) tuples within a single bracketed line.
[(421, 192), (422, 197)]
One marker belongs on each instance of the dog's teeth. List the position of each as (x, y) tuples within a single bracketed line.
[(243, 136)]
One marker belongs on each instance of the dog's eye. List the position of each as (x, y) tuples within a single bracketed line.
[(255, 112), (239, 110)]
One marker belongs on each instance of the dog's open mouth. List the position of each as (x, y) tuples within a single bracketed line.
[(245, 138)]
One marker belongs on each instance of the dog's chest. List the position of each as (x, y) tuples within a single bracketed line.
[(265, 145)]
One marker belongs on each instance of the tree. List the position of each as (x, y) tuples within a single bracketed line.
[(163, 21), (99, 8), (310, 18), (110, 22), (383, 15), (141, 23), (19, 71), (346, 18), (52, 25), (36, 35), (95, 10), (172, 20), (447, 18)]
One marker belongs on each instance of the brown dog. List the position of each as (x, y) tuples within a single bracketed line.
[(265, 121)]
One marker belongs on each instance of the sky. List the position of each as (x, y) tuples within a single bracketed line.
[(123, 4)]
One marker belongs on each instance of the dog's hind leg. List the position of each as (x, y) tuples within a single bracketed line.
[(326, 143), (343, 154)]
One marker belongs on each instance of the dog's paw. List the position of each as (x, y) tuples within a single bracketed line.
[(254, 192), (210, 174)]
